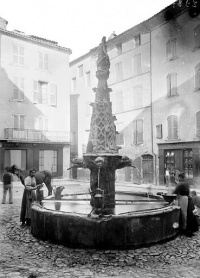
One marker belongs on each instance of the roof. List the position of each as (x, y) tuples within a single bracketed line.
[(36, 40)]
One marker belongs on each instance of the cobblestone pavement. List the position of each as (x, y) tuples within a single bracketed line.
[(22, 255)]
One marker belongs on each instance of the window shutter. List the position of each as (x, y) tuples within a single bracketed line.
[(198, 124), (46, 61), (53, 94), (174, 84), (21, 92), (175, 127), (35, 91), (168, 85), (16, 122), (170, 127), (15, 87), (173, 48), (134, 132), (139, 131), (197, 76), (22, 121), (40, 60)]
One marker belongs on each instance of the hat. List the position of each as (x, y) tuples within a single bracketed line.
[(32, 170)]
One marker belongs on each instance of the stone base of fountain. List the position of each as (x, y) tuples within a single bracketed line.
[(127, 230)]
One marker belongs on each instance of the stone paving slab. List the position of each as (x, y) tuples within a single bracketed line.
[(22, 255)]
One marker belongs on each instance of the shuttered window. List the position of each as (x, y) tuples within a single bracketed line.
[(43, 61), (198, 124), (19, 121), (18, 55), (137, 68), (39, 92), (138, 131), (197, 36), (18, 88), (171, 49), (119, 71), (172, 84), (197, 76), (172, 127), (53, 95)]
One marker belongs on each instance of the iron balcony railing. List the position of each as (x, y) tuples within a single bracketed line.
[(29, 135)]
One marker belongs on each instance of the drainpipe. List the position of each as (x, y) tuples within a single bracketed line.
[(151, 107)]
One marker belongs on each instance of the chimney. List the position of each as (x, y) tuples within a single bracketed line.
[(3, 23)]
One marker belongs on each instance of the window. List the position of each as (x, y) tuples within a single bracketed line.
[(73, 84), (53, 95), (43, 123), (159, 131), (18, 88), (80, 68), (43, 61), (198, 124), (171, 49), (128, 99), (172, 127), (88, 79), (136, 41), (119, 71), (19, 121), (137, 96), (137, 68), (120, 134), (40, 92), (197, 36), (119, 102), (119, 49), (138, 131), (172, 84), (197, 76), (188, 162), (41, 160), (18, 55)]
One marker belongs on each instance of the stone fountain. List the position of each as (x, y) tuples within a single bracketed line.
[(106, 219)]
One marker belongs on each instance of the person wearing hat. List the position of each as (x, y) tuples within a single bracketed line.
[(29, 195)]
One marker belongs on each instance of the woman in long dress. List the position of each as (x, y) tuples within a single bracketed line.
[(29, 196)]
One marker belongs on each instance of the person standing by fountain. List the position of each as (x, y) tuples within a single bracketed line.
[(7, 185), (188, 221), (29, 195)]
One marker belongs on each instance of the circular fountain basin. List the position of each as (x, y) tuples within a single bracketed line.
[(136, 220)]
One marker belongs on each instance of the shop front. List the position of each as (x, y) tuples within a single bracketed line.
[(181, 157)]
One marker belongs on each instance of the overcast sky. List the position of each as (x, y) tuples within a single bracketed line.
[(77, 24)]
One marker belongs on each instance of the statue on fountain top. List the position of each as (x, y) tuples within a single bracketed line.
[(103, 65)]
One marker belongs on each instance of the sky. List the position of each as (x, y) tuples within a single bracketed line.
[(77, 24)]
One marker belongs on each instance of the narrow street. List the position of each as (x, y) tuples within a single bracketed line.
[(22, 255)]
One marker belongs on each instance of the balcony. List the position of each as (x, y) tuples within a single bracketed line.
[(40, 136)]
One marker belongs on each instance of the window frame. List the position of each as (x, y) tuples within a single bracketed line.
[(172, 88), (18, 88), (138, 135), (173, 130), (19, 121), (43, 61), (18, 56), (171, 49)]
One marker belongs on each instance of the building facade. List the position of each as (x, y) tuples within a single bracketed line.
[(175, 56), (35, 103), (130, 81), (154, 76)]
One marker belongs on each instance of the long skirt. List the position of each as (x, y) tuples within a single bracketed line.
[(27, 199)]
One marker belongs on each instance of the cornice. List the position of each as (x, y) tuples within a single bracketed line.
[(35, 40)]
